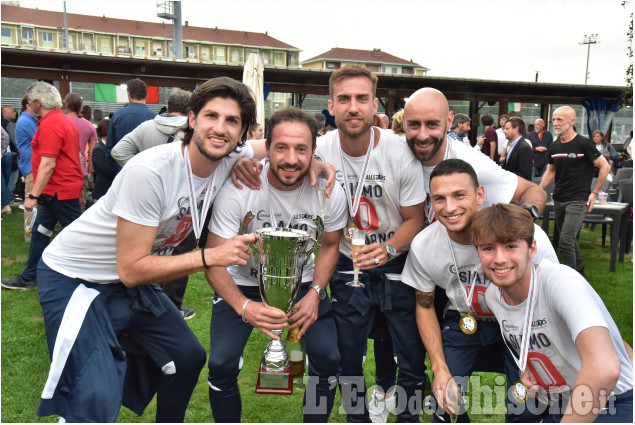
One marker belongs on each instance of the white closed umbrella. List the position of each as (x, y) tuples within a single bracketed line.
[(253, 77)]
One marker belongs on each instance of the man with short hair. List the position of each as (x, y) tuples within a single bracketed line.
[(519, 155), (105, 319), (426, 118), (130, 116), (571, 161), (286, 193), (384, 185), (384, 121), (321, 120), (57, 177), (540, 139), (460, 126), (490, 145), (556, 326), (462, 348), (164, 128), (502, 140), (25, 129)]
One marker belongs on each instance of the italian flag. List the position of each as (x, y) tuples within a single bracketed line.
[(119, 94), (515, 106)]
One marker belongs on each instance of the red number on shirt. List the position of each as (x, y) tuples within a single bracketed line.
[(545, 372), (366, 217)]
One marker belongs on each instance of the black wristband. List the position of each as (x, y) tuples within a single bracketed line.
[(31, 196), (203, 257)]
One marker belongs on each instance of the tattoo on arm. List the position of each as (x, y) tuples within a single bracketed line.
[(425, 299)]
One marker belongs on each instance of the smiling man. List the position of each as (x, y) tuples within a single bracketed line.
[(383, 184), (287, 194), (554, 323), (104, 317), (470, 340)]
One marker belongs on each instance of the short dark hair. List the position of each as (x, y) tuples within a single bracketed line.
[(102, 127), (73, 103), (454, 166), (227, 88), (502, 223), (137, 89), (25, 101), (177, 101), (487, 119), (459, 119), (350, 71), (517, 122), (292, 114)]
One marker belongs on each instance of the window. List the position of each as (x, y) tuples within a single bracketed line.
[(27, 36), (190, 52), (292, 59), (266, 57), (278, 58), (395, 70), (235, 55), (139, 48), (383, 69), (330, 65), (104, 44), (205, 53), (88, 42), (7, 35), (220, 53), (47, 39), (157, 49)]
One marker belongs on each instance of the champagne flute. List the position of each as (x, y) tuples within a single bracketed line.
[(358, 239), (321, 187), (456, 396)]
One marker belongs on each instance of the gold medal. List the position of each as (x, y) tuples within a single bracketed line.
[(468, 324), (519, 392), (349, 232)]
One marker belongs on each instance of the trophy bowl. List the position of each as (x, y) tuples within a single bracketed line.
[(281, 255)]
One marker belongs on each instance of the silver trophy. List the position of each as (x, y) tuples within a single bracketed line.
[(281, 255)]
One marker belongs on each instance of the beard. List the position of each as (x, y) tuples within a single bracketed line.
[(275, 170), (426, 156), (344, 126), (205, 151), (562, 129)]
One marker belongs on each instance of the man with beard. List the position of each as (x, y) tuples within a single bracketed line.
[(286, 193), (571, 161), (540, 140), (383, 185), (460, 126), (426, 119), (460, 349), (105, 319)]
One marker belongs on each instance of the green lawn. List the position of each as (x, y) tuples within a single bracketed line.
[(25, 357)]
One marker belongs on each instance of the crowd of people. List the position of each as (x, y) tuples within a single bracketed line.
[(453, 266)]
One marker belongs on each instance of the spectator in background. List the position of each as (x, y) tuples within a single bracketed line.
[(87, 135), (57, 177), (25, 129), (164, 128), (255, 132), (130, 116), (628, 140), (10, 157), (397, 123), (490, 146), (321, 120), (519, 155), (6, 199), (104, 165), (502, 140), (87, 113), (384, 121), (460, 126), (540, 140), (605, 149)]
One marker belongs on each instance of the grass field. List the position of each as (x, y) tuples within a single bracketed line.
[(25, 357)]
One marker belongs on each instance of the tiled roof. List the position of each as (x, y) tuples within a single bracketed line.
[(364, 56), (104, 24)]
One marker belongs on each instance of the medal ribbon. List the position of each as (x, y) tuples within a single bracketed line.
[(353, 206), (197, 221), (467, 297), (521, 361)]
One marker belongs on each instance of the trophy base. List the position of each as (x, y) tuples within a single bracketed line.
[(274, 382)]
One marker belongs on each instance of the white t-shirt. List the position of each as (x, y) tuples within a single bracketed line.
[(499, 184), (232, 204), (502, 140), (565, 306), (393, 180), (151, 190), (430, 264)]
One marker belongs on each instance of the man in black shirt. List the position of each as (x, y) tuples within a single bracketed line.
[(571, 161)]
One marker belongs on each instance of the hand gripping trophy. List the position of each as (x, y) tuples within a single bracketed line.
[(281, 254)]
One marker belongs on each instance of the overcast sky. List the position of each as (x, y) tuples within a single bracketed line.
[(485, 39)]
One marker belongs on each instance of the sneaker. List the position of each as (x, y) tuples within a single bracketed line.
[(18, 283), (187, 313), (379, 407)]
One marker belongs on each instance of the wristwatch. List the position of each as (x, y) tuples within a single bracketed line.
[(532, 210), (31, 196), (390, 250), (320, 291)]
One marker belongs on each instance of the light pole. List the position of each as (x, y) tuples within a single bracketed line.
[(588, 40)]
